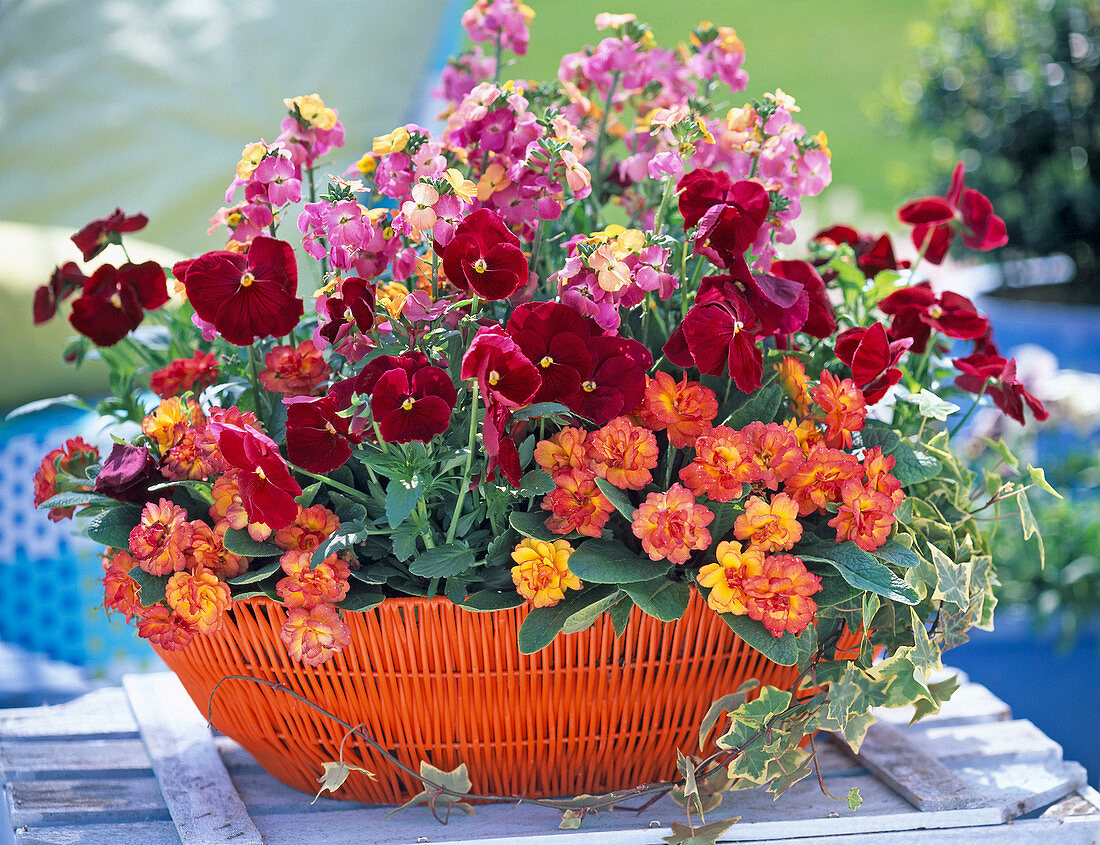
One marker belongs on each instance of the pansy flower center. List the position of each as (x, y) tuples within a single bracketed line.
[(480, 266), (588, 386), (494, 377), (247, 279), (935, 311), (546, 362), (260, 473), (407, 405), (738, 326)]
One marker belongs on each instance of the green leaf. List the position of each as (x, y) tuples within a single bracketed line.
[(335, 775), (1030, 526), (910, 466), (571, 819), (1001, 448), (151, 587), (543, 624), (610, 562), (1039, 478), (617, 497), (782, 650), (112, 527), (893, 552), (533, 525), (251, 576), (952, 579), (707, 834), (854, 799), (240, 542), (69, 400), (835, 591), (348, 534), (309, 494), (762, 404), (662, 598), (404, 539), (620, 615), (585, 618), (487, 600), (76, 497), (725, 515), (552, 410), (359, 600), (930, 405), (859, 569), (401, 499), (457, 780), (536, 482), (443, 561), (726, 704)]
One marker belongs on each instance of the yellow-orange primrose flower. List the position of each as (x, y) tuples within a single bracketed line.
[(671, 525), (541, 573), (770, 526), (726, 577), (198, 598)]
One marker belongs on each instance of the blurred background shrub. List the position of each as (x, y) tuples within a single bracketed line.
[(1009, 88)]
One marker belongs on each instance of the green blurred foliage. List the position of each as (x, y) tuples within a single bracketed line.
[(1009, 88), (1065, 594), (839, 61)]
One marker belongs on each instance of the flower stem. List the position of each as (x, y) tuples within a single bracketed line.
[(659, 218), (336, 485), (262, 409), (597, 172), (465, 485), (973, 408), (426, 533), (312, 199)]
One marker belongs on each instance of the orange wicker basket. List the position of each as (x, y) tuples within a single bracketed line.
[(430, 681)]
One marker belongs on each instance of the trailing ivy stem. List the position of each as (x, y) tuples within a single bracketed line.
[(973, 408), (343, 488)]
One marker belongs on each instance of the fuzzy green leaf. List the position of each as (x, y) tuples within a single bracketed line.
[(260, 573), (762, 404), (618, 498), (599, 561), (543, 624), (782, 650), (401, 499), (536, 482), (112, 527), (662, 598), (487, 600), (859, 569), (151, 587), (240, 542)]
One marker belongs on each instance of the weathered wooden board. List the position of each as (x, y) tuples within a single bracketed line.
[(89, 772), (200, 796)]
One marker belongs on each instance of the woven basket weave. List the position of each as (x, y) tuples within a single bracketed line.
[(429, 681)]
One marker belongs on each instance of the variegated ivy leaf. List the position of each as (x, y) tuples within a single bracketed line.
[(571, 819), (924, 654), (706, 834), (854, 800), (953, 579), (456, 781), (930, 405), (335, 775), (1039, 479)]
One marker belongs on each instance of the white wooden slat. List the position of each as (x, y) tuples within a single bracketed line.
[(139, 833), (54, 802), (971, 703), (82, 759), (1017, 740), (920, 778), (103, 714), (1020, 788), (196, 787)]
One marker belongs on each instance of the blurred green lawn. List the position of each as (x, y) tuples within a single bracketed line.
[(836, 57)]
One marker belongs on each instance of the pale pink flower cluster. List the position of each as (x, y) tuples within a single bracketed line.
[(351, 238), (503, 21)]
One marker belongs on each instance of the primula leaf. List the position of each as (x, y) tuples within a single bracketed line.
[(536, 482), (361, 598), (533, 525), (618, 498), (76, 497), (260, 573), (620, 615), (543, 624), (584, 618), (894, 552), (860, 569), (910, 465), (762, 404), (112, 527), (401, 499), (487, 600), (240, 542), (610, 562), (662, 598), (443, 561), (69, 400), (782, 650), (151, 587), (335, 775)]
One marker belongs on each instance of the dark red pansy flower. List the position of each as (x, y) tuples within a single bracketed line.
[(65, 281), (729, 214), (780, 305), (554, 338), (484, 257), (317, 437), (872, 358), (616, 383), (245, 296), (916, 311), (873, 255), (820, 317), (363, 382), (413, 407), (114, 300), (935, 219), (500, 446), (504, 374), (352, 305), (1007, 391), (266, 486), (94, 237), (127, 474), (718, 336)]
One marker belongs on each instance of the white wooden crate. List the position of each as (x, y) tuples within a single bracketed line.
[(139, 765)]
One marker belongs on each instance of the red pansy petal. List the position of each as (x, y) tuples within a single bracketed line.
[(148, 282), (746, 362), (100, 321), (927, 210), (210, 279), (259, 310), (427, 418), (273, 260)]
